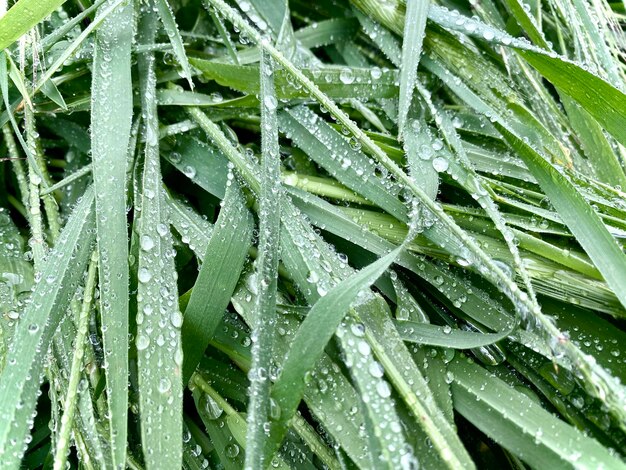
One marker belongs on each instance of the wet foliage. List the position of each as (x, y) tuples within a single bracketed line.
[(335, 234)]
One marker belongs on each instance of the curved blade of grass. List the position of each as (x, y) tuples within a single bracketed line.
[(158, 340), (333, 152), (315, 332), (414, 30), (169, 23), (335, 81), (224, 259), (521, 425), (111, 115), (433, 335), (20, 379), (380, 333), (264, 322), (580, 218), (24, 16), (298, 245)]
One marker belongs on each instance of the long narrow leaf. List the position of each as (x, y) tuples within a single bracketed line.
[(224, 258), (264, 326), (20, 379), (158, 341), (414, 30), (111, 114)]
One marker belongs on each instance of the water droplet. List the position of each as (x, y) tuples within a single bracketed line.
[(144, 275), (142, 342), (383, 389), (376, 370), (165, 385), (146, 242), (232, 451), (346, 76), (440, 164), (270, 103)]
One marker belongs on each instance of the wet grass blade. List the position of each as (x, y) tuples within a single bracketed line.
[(335, 81), (158, 340), (111, 114), (169, 23), (414, 30), (23, 16), (266, 277), (20, 379), (444, 336), (224, 258), (333, 152), (315, 332), (521, 425)]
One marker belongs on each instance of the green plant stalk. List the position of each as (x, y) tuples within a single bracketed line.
[(264, 325), (50, 205), (71, 398), (111, 114), (67, 180), (39, 245), (18, 168)]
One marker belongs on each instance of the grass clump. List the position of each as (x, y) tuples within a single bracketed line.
[(349, 234)]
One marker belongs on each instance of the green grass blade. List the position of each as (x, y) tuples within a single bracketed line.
[(111, 115), (158, 340), (169, 23), (433, 335), (414, 30), (315, 332), (224, 259), (580, 218), (310, 262), (595, 144), (266, 279), (71, 400), (601, 247), (422, 159), (24, 16), (335, 81), (521, 425), (599, 98), (20, 379), (333, 152)]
